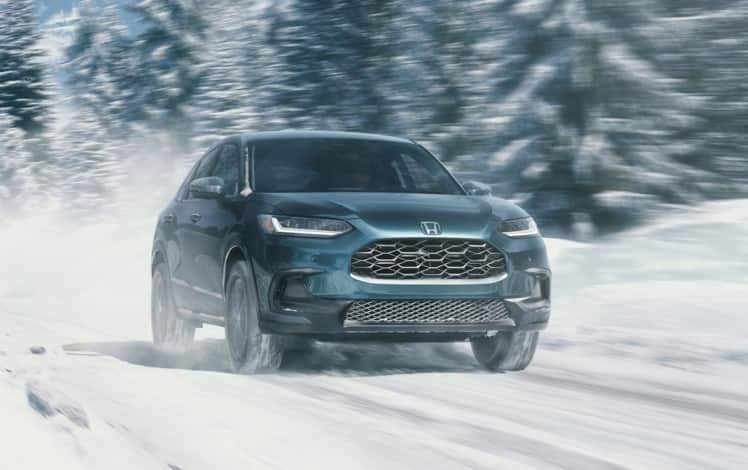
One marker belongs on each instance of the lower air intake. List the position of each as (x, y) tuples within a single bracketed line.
[(426, 311)]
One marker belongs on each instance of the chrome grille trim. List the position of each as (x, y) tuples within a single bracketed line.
[(431, 282), (428, 259), (450, 311)]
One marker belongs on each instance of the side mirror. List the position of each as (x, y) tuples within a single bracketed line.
[(474, 188), (210, 187)]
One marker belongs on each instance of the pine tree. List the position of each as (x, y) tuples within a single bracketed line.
[(335, 63), (704, 47), (15, 163), (432, 87), (226, 101), (100, 67), (22, 74), (93, 164), (580, 116), (168, 76)]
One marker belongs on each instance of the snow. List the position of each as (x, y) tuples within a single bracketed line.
[(645, 365), (57, 35)]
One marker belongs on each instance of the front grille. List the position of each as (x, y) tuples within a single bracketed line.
[(426, 311), (424, 259)]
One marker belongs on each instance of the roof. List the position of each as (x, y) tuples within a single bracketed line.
[(300, 134)]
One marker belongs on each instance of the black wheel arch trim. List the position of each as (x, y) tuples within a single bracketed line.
[(235, 244), (159, 250)]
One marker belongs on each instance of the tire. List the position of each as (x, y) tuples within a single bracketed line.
[(506, 351), (250, 351), (169, 330)]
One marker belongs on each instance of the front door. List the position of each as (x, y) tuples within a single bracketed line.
[(211, 221), (186, 217)]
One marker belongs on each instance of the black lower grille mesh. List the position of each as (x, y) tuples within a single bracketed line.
[(426, 311)]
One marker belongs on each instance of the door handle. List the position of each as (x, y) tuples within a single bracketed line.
[(195, 217), (169, 218)]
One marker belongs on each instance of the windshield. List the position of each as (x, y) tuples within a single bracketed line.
[(343, 165)]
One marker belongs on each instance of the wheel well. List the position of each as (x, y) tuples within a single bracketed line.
[(235, 254)]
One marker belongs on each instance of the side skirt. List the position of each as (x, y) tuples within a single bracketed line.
[(200, 317)]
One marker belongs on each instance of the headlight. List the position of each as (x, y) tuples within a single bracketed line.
[(303, 226), (519, 227)]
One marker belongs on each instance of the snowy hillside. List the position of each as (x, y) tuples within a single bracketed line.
[(645, 365)]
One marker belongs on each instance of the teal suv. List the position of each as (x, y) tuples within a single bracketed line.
[(288, 237)]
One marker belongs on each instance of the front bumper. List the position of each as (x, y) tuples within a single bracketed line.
[(524, 314), (319, 274)]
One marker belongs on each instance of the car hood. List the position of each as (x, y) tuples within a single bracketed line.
[(458, 214)]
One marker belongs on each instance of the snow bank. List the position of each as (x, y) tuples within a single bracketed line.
[(674, 292)]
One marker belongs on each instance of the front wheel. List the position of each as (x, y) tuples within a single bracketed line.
[(250, 350), (506, 350), (169, 330)]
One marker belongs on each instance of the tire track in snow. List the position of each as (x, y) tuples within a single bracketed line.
[(462, 432)]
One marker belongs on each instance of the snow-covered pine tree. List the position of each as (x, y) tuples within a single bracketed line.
[(92, 164), (634, 140), (168, 73), (518, 71), (22, 74), (336, 60), (705, 47), (432, 86), (581, 118), (15, 164), (100, 66), (226, 100)]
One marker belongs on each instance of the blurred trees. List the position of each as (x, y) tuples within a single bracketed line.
[(226, 100), (22, 74), (168, 74), (101, 75), (580, 121), (337, 59), (14, 162), (91, 168), (584, 112), (101, 67), (704, 45)]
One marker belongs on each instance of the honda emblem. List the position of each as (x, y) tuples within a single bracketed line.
[(431, 228)]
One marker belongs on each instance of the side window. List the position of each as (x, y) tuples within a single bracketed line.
[(203, 169), (228, 169)]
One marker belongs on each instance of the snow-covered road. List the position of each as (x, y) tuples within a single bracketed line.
[(645, 366)]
